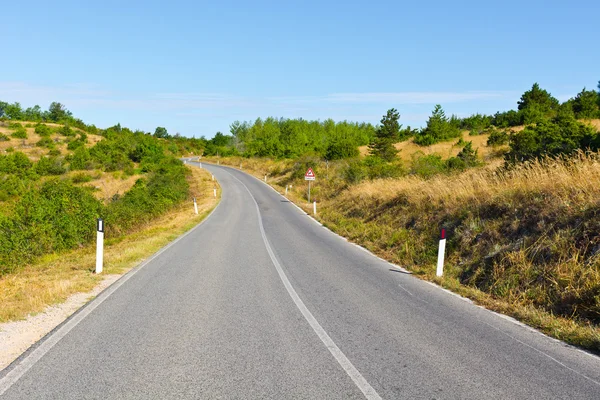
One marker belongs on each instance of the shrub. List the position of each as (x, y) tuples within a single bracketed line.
[(148, 197), (43, 130), (20, 133), (466, 158), (551, 138), (438, 128), (341, 149), (66, 130), (355, 172), (498, 137), (46, 142), (50, 166), (55, 217), (75, 144), (81, 159), (15, 163), (427, 166), (81, 177), (378, 168), (507, 119), (4, 138)]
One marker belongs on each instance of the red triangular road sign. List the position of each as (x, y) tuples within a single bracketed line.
[(310, 175)]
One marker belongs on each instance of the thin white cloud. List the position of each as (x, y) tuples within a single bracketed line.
[(93, 95), (100, 104)]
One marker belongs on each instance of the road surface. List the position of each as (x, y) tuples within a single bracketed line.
[(260, 301)]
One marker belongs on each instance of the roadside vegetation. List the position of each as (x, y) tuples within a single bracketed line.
[(517, 193), (57, 176)]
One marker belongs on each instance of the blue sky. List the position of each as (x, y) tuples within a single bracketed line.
[(195, 67)]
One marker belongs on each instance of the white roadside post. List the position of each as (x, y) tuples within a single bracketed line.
[(265, 178), (200, 165), (314, 208), (213, 177), (99, 245), (441, 251), (195, 206), (215, 192), (286, 189)]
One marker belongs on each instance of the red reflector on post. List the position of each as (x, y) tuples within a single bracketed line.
[(443, 234)]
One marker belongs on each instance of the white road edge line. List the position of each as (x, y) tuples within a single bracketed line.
[(465, 299), (340, 357), (35, 355)]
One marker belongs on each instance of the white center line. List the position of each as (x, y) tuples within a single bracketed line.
[(340, 357)]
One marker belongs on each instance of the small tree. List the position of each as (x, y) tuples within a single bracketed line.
[(382, 145), (58, 112), (438, 128), (585, 104), (161, 132), (537, 104)]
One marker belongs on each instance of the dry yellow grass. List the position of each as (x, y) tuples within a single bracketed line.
[(28, 147), (576, 179), (380, 215), (595, 123), (445, 149), (55, 277), (111, 184)]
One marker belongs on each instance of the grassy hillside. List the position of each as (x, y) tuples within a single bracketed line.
[(56, 179), (522, 241), (52, 278)]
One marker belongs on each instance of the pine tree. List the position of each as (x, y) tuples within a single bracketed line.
[(585, 104), (386, 135)]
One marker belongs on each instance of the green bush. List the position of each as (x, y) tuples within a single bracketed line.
[(552, 138), (43, 130), (378, 168), (20, 133), (55, 217), (466, 158), (355, 172), (498, 137), (46, 142), (341, 149), (75, 144), (66, 130), (427, 166), (81, 159), (439, 128), (148, 198), (81, 177), (50, 166), (4, 138), (15, 163)]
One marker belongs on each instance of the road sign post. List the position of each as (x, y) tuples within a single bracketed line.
[(99, 245), (309, 176), (441, 250)]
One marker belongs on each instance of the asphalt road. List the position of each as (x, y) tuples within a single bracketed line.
[(260, 301)]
